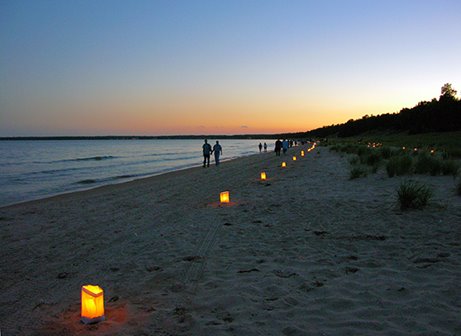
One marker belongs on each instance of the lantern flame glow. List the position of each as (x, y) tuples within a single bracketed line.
[(224, 197), (263, 176), (302, 153), (92, 304), (294, 158), (284, 164)]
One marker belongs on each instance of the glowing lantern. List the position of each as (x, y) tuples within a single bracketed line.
[(224, 197), (263, 176), (294, 158), (92, 304), (284, 164), (302, 153)]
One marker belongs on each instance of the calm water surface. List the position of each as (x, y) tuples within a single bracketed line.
[(40, 168)]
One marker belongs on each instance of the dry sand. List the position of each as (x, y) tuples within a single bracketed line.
[(309, 252)]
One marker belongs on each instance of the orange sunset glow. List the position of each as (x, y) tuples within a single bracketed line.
[(153, 69)]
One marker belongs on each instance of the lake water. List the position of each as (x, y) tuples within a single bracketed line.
[(40, 168)]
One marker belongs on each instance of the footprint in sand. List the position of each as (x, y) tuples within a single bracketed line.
[(153, 268), (351, 270), (284, 274)]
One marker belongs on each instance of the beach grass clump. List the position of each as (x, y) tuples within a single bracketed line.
[(348, 148), (358, 149), (357, 172), (354, 160), (455, 152), (371, 159), (399, 165), (426, 164), (375, 168), (335, 148), (413, 195), (450, 167), (386, 152), (363, 151)]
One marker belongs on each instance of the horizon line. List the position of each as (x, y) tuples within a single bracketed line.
[(143, 137)]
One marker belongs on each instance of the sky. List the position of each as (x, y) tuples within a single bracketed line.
[(154, 67)]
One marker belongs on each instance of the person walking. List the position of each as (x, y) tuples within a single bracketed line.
[(265, 147), (285, 145), (278, 147), (260, 147), (217, 150), (206, 153)]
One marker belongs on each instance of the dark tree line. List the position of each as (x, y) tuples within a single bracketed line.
[(442, 115)]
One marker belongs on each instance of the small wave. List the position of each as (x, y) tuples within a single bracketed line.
[(161, 154), (87, 181), (52, 171), (123, 177), (95, 158)]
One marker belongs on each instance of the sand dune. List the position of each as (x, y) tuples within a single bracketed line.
[(308, 252)]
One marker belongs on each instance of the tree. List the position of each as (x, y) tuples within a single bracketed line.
[(447, 91)]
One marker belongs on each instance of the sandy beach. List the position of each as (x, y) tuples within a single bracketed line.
[(308, 252)]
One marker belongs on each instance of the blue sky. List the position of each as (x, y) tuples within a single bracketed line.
[(192, 67)]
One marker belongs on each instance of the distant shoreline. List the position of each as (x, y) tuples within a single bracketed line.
[(143, 137)]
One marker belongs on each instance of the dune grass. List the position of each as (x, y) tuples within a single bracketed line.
[(399, 165), (413, 195), (426, 164), (447, 143), (357, 172), (403, 159), (450, 167)]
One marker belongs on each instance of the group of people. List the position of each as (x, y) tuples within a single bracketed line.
[(282, 145), (217, 150), (207, 151), (261, 147)]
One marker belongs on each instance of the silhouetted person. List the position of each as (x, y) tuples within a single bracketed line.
[(206, 153), (265, 147), (217, 150), (285, 146), (278, 147), (260, 147)]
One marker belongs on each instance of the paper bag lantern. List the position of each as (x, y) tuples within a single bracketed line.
[(224, 197), (294, 158), (263, 176), (302, 153), (92, 304), (284, 164)]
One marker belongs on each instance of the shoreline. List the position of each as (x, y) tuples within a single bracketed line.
[(129, 180), (304, 253)]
